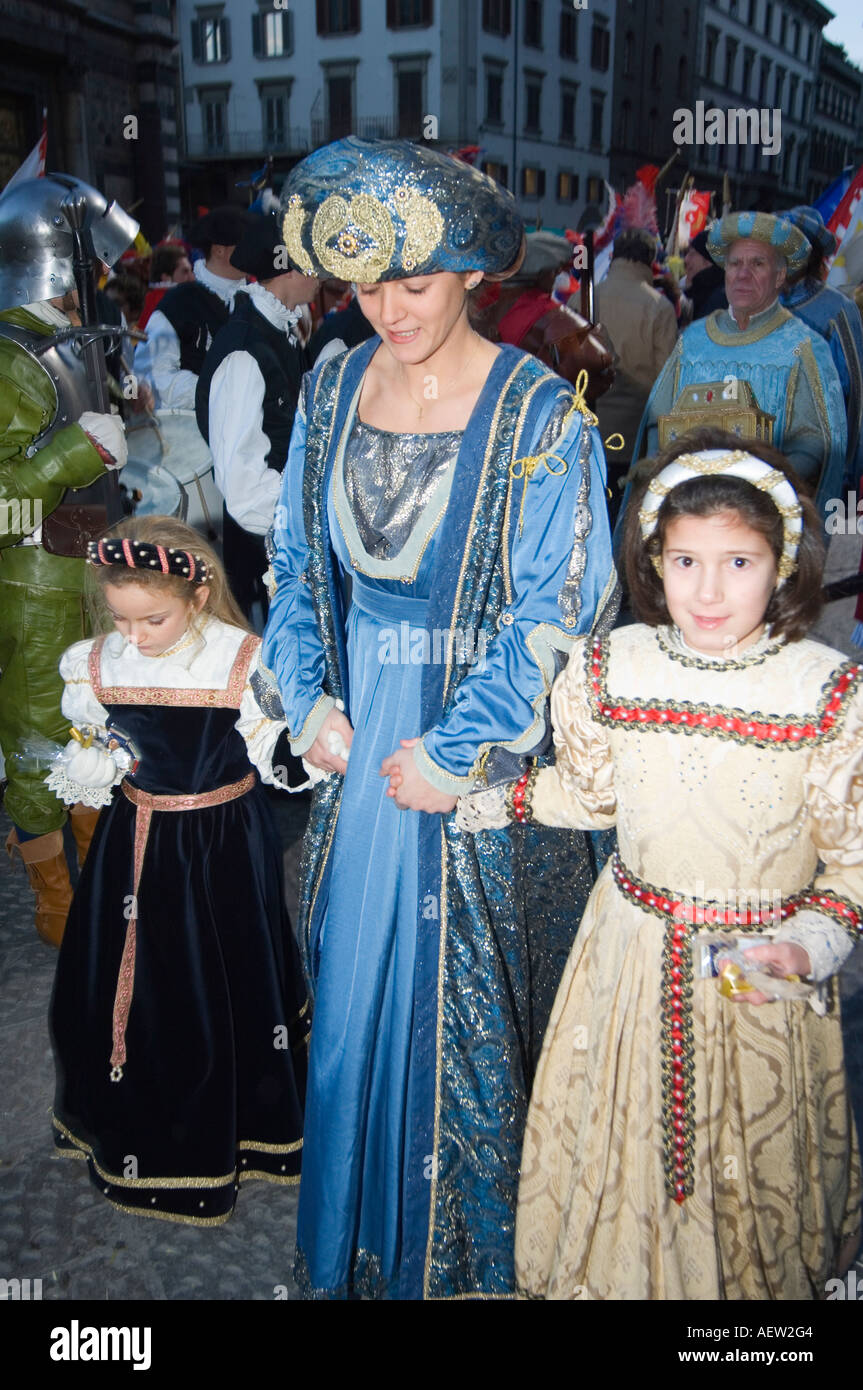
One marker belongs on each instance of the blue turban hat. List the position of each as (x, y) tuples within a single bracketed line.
[(777, 232), (371, 210)]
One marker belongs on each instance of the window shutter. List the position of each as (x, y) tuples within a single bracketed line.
[(392, 14), (225, 27), (540, 184), (197, 48), (322, 16), (257, 36), (288, 31)]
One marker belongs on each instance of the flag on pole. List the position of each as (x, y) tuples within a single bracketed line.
[(693, 215), (832, 196), (34, 165), (845, 223)]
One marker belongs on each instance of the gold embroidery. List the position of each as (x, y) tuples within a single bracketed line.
[(292, 231), (424, 226), (366, 263), (742, 338)]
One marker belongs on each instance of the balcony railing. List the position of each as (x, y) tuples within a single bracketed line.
[(287, 140), (294, 139)]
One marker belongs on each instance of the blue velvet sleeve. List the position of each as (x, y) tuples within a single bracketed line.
[(563, 527), (292, 647)]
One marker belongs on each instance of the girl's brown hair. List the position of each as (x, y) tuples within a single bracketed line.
[(795, 606), (165, 531)]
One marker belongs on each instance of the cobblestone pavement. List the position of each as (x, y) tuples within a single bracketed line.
[(54, 1227)]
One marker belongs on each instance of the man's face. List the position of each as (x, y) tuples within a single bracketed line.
[(754, 275), (183, 271)]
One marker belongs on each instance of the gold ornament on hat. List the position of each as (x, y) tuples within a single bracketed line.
[(349, 259), (292, 231)]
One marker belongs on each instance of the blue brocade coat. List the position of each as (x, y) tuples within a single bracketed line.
[(434, 956)]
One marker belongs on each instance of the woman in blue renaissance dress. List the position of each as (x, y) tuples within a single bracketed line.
[(441, 541)]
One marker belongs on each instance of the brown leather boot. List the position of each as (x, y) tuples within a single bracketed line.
[(82, 820), (45, 862)]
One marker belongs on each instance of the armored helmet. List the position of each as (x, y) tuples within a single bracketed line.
[(36, 242)]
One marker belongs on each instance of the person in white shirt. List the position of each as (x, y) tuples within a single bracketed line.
[(246, 397)]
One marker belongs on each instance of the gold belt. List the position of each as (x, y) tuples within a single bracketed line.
[(145, 804)]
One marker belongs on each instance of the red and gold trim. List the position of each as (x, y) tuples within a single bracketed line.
[(145, 804), (683, 918), (228, 698), (519, 797), (765, 731)]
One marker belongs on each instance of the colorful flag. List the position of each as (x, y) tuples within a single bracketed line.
[(693, 215), (845, 223), (34, 165), (832, 196)]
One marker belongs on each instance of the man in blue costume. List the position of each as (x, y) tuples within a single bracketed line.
[(787, 364), (838, 320), (441, 540)]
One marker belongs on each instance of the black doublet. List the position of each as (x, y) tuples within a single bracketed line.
[(196, 314), (281, 362)]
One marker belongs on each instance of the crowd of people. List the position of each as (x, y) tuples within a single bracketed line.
[(559, 1016)]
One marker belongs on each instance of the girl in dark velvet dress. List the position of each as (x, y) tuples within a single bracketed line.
[(179, 1020)]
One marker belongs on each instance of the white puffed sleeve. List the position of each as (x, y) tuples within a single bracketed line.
[(79, 704), (262, 724)]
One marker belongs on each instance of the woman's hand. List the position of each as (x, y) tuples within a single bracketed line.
[(780, 958), (319, 754), (408, 788)]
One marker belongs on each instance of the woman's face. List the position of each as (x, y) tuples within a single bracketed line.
[(415, 317)]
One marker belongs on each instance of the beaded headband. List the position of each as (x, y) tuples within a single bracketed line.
[(737, 464), (142, 555)]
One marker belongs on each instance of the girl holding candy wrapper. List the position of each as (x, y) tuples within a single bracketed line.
[(179, 1016), (690, 1134)]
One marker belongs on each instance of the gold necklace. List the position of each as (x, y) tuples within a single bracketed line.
[(419, 404)]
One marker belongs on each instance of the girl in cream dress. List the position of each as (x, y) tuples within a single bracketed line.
[(689, 1133)]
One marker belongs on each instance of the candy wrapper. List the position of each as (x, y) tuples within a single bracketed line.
[(724, 956), (86, 770)]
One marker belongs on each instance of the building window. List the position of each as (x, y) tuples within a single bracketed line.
[(273, 34), (624, 127), (498, 172), (682, 77), (494, 96), (338, 16), (533, 105), (793, 86), (796, 31), (594, 188), (409, 14), (753, 12), (730, 60), (567, 186), (732, 8), (710, 45), (768, 19), (597, 103), (532, 182), (409, 102), (496, 17), (628, 53), (568, 33), (783, 29), (275, 107), (779, 87), (533, 23), (600, 46), (748, 62), (684, 23), (340, 105), (656, 67), (211, 38), (763, 80), (567, 111), (214, 118)]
